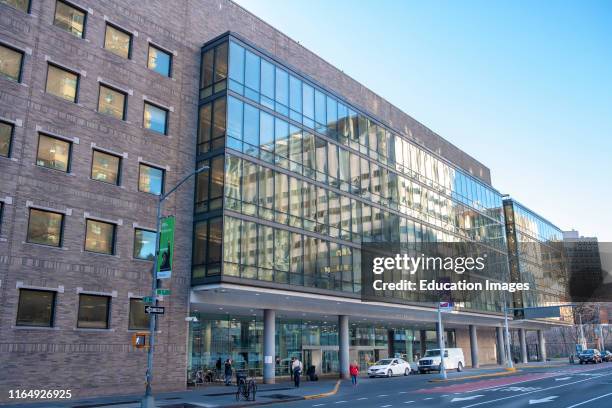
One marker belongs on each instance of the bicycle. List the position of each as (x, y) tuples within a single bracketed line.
[(246, 388)]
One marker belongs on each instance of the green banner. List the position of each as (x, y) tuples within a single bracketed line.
[(166, 248)]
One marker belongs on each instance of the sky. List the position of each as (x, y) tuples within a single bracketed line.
[(525, 87)]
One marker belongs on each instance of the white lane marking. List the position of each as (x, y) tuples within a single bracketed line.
[(318, 405), (592, 399), (339, 402), (385, 406), (541, 400), (531, 392), (425, 399), (408, 402), (563, 378), (362, 398), (471, 397), (383, 395), (403, 392)]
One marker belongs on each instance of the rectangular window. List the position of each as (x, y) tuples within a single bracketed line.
[(62, 83), (100, 237), (118, 41), (159, 61), (155, 118), (53, 153), (94, 312), (111, 102), (69, 18), (267, 84), (251, 76), (10, 63), (144, 244), (105, 167), (22, 5), (139, 320), (36, 308), (45, 227), (6, 136), (151, 179)]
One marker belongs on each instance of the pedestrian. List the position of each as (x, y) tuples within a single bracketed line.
[(218, 364), (228, 372), (354, 371), (296, 367), (291, 367)]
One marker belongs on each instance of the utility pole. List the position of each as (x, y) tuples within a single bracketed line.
[(148, 401)]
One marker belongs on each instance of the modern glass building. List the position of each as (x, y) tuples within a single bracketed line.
[(299, 179)]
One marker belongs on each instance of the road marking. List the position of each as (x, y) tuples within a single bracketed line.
[(592, 399), (318, 405), (531, 392), (408, 402), (383, 395), (471, 397), (563, 378), (403, 392), (385, 406), (362, 398), (339, 402), (541, 400), (425, 399)]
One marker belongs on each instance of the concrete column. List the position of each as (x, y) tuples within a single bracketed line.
[(343, 345), (542, 345), (269, 346), (423, 337), (501, 354), (474, 346), (390, 341), (523, 341), (507, 342)]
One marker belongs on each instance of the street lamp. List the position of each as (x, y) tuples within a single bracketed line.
[(148, 401)]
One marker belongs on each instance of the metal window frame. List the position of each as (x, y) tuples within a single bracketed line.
[(119, 166), (113, 238), (11, 136), (76, 7), (125, 94), (123, 30), (165, 51), (61, 240), (65, 69), (53, 305), (108, 310), (166, 118), (21, 63)]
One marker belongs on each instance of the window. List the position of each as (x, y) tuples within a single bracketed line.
[(1, 213), (100, 237), (23, 5), (53, 153), (62, 83), (6, 135), (144, 244), (159, 61), (94, 312), (118, 41), (35, 308), (139, 320), (105, 167), (214, 70), (155, 118), (111, 102), (151, 179), (10, 63), (69, 18), (45, 227)]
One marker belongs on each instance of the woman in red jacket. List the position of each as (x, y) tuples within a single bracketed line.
[(354, 371)]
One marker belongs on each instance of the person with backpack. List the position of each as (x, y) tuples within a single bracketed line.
[(228, 372), (296, 367)]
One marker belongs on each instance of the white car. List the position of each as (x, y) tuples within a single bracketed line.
[(388, 367)]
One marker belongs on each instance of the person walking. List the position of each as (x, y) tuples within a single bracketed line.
[(354, 371), (296, 367), (291, 367), (228, 372)]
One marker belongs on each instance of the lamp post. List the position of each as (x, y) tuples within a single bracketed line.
[(148, 401)]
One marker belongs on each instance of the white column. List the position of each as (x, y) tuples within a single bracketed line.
[(542, 345), (269, 346), (343, 345), (523, 340), (474, 346)]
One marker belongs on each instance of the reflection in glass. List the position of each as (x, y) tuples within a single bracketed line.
[(94, 311), (111, 102), (45, 227), (6, 134), (155, 118), (139, 320), (159, 61), (100, 237), (105, 167), (144, 244), (35, 308), (62, 83), (10, 63), (151, 179), (69, 18), (53, 153), (117, 41)]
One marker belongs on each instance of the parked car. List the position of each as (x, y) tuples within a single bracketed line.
[(606, 355), (388, 367), (453, 359), (590, 356)]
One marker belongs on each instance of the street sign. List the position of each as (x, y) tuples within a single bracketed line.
[(446, 306), (148, 299), (154, 310), (162, 292)]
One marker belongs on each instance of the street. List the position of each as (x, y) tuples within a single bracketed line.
[(562, 387)]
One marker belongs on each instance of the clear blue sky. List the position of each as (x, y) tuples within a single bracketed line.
[(523, 86)]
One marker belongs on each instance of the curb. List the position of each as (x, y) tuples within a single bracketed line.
[(302, 398), (324, 394), (501, 374)]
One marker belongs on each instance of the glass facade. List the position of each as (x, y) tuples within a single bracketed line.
[(294, 156), (535, 251)]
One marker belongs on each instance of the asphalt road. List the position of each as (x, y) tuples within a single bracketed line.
[(564, 387)]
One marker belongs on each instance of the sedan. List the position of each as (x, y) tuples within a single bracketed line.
[(388, 367)]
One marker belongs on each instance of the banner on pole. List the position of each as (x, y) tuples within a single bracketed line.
[(166, 248)]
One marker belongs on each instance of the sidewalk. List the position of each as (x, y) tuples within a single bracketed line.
[(207, 396)]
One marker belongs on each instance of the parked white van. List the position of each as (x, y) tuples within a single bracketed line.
[(453, 359)]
